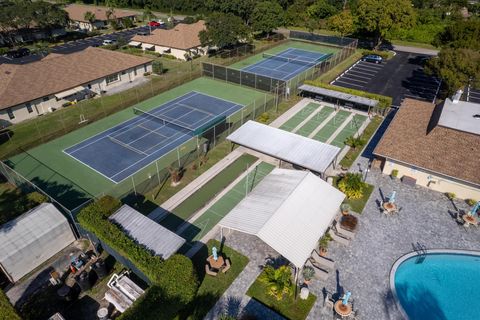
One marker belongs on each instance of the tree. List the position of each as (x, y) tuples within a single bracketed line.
[(90, 16), (148, 15), (266, 17), (321, 10), (456, 68), (461, 34), (223, 30), (343, 23), (379, 17), (278, 281), (296, 14), (239, 8)]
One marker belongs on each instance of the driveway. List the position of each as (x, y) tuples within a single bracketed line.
[(74, 46), (400, 77)]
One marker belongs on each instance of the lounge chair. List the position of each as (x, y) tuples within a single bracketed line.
[(227, 266), (320, 274), (344, 232), (338, 238), (209, 271), (322, 261)]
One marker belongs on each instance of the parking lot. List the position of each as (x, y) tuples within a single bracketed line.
[(400, 77), (472, 95)]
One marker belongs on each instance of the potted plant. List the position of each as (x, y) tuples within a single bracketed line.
[(450, 195), (323, 244), (308, 274), (175, 175), (345, 208), (394, 173)]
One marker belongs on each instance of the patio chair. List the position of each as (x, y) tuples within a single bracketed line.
[(227, 266), (322, 261), (320, 274), (343, 232), (338, 238), (209, 271)]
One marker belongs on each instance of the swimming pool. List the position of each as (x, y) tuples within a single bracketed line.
[(443, 285)]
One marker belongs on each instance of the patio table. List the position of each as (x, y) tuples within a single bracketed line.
[(344, 310), (218, 264), (389, 207), (470, 219)]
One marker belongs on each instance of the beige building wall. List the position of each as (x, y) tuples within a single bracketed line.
[(51, 103), (177, 53), (433, 181)]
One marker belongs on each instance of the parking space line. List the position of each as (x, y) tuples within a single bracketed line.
[(350, 84), (352, 74), (348, 78), (371, 65), (363, 74), (371, 71)]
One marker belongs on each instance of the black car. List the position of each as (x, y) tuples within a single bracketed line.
[(372, 58), (142, 33), (22, 52)]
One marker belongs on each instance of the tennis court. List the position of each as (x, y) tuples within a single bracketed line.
[(124, 149), (287, 64)]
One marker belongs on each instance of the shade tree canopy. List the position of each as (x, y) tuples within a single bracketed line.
[(266, 17), (224, 30)]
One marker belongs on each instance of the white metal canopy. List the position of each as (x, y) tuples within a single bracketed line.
[(339, 95), (134, 43), (147, 232), (289, 210), (31, 239), (290, 147)]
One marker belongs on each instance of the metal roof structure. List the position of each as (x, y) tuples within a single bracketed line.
[(147, 232), (289, 210), (339, 95), (290, 147), (32, 238), (460, 115)]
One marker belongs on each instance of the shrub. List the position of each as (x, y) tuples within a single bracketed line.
[(352, 185), (450, 195), (470, 202), (278, 281), (394, 173), (323, 242), (4, 50), (157, 67), (264, 117), (7, 311), (354, 142), (36, 198), (308, 273), (169, 56), (146, 74)]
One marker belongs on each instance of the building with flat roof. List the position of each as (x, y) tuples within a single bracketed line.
[(76, 13), (435, 146), (181, 42), (32, 89)]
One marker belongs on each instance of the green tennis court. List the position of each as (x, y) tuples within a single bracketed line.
[(331, 126), (224, 205), (350, 129), (298, 117), (207, 192), (315, 121)]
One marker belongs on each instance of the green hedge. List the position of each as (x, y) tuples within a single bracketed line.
[(384, 54), (385, 101), (174, 282), (7, 311)]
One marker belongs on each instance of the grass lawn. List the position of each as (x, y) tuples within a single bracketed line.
[(357, 205), (330, 75), (289, 307), (369, 131), (212, 288)]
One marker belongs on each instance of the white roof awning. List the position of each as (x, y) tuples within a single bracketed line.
[(339, 95), (290, 147), (148, 46), (289, 210), (147, 232), (134, 44), (70, 92)]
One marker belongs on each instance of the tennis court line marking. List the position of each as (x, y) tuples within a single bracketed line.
[(119, 124), (88, 166)]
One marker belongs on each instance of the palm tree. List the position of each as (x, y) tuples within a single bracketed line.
[(278, 281), (354, 142)]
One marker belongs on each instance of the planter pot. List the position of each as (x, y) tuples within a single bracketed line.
[(345, 213), (323, 252)]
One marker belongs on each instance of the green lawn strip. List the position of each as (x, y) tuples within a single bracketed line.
[(369, 131), (212, 288), (298, 117), (200, 197), (289, 307), (225, 204), (331, 126), (291, 44), (333, 73), (350, 129), (315, 121)]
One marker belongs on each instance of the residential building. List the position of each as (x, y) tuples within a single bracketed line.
[(181, 42), (435, 146), (32, 89), (13, 36), (76, 13)]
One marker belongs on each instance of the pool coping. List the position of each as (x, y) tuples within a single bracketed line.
[(409, 255)]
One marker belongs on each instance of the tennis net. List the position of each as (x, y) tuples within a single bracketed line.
[(291, 60), (163, 121), (123, 144)]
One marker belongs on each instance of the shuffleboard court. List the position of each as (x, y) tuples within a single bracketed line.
[(126, 148), (286, 64)]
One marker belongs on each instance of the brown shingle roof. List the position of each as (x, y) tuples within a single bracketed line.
[(414, 138), (76, 12), (183, 36), (25, 82)]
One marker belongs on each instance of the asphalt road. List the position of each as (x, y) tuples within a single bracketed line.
[(78, 45), (400, 77)]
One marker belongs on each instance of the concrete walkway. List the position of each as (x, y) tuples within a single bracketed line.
[(430, 52)]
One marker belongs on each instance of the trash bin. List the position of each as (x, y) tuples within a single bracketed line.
[(100, 268), (83, 280)]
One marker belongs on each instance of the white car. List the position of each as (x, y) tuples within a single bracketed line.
[(107, 42)]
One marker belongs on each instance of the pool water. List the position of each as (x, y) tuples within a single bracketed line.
[(444, 286)]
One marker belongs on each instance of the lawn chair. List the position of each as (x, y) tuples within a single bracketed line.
[(322, 262), (209, 271), (338, 238), (227, 266)]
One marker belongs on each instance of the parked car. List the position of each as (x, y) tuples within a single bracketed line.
[(22, 52), (154, 24), (372, 58), (142, 33), (108, 42)]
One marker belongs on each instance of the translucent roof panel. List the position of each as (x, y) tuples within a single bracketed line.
[(339, 95)]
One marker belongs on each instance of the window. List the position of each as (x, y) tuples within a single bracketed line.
[(29, 107), (145, 67), (10, 113), (45, 99), (89, 86), (135, 71), (123, 72), (112, 78)]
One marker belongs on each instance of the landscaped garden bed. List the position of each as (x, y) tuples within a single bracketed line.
[(357, 191)]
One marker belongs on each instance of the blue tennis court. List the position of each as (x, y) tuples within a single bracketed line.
[(120, 151), (286, 64)]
